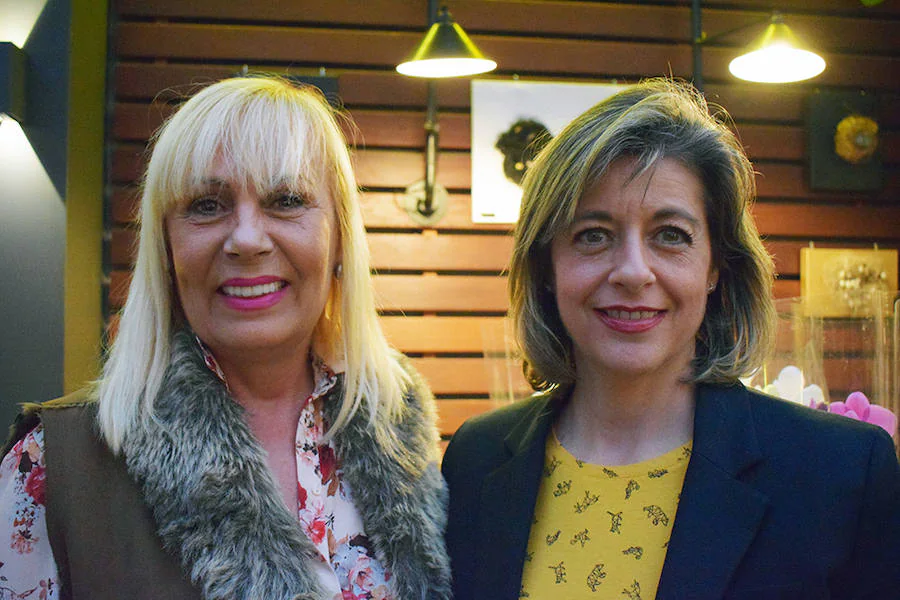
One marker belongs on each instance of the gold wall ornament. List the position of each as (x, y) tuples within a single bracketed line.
[(842, 146), (856, 139), (842, 282)]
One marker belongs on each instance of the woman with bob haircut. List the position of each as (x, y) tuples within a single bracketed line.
[(252, 435), (641, 467)]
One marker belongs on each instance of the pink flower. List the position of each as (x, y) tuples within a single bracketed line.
[(857, 407)]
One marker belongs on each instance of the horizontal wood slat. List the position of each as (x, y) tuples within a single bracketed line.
[(447, 335), (439, 252), (813, 221), (441, 293), (399, 168), (405, 129), (324, 48), (744, 101), (583, 19), (459, 376), (453, 413)]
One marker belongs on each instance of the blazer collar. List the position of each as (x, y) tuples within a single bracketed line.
[(508, 497), (719, 514)]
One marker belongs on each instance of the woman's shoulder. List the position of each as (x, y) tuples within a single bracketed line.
[(500, 420), (31, 415), (482, 438), (804, 431)]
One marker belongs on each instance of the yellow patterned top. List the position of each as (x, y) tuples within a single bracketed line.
[(602, 532)]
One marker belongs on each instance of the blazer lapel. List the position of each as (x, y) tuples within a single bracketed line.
[(718, 515), (507, 504)]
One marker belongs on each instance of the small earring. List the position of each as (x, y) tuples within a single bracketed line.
[(338, 271), (711, 288)]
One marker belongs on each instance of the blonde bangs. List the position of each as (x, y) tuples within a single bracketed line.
[(260, 135)]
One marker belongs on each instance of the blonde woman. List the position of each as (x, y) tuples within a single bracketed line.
[(253, 436), (642, 468)]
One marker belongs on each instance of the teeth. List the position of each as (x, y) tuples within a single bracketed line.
[(251, 291), (624, 315)]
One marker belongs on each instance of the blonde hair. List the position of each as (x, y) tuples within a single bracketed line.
[(270, 131), (655, 119)]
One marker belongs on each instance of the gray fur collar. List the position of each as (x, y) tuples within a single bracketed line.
[(218, 510)]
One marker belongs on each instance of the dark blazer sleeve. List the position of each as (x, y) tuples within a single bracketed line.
[(782, 501), (874, 568)]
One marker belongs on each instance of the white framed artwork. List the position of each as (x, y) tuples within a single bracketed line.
[(510, 119)]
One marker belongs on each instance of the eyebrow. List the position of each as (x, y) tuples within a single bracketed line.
[(660, 215), (212, 182)]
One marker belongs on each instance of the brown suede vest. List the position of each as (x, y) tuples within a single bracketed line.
[(103, 536)]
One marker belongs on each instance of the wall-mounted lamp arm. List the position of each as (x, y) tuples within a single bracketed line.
[(699, 37), (775, 57), (426, 204)]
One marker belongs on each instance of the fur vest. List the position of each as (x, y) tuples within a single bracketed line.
[(217, 508)]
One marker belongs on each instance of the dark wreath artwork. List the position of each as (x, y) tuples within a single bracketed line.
[(519, 145)]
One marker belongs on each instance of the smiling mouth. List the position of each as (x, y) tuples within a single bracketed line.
[(252, 291), (625, 315)]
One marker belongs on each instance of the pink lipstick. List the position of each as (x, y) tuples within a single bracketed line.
[(255, 293)]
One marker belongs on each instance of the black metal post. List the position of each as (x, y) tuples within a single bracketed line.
[(426, 205), (696, 44)]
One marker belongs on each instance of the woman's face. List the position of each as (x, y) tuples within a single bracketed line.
[(632, 272), (253, 271)]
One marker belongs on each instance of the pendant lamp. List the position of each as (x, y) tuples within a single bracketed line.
[(777, 57), (446, 51)]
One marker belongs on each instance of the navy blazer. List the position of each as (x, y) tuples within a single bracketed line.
[(779, 501)]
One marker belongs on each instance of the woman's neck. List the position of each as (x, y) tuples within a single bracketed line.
[(273, 390), (266, 380), (626, 421)]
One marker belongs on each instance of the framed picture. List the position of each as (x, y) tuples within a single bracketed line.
[(843, 142), (511, 121)]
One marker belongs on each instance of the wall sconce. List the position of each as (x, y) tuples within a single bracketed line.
[(445, 51), (12, 82), (777, 56)]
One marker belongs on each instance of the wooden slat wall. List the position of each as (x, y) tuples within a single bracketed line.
[(442, 287)]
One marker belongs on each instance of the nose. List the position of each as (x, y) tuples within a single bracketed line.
[(631, 268), (248, 236)]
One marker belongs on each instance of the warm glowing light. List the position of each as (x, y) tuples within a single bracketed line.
[(777, 64), (445, 51), (777, 56), (446, 67), (21, 170), (17, 19)]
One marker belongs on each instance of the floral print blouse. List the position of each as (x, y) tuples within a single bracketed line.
[(346, 564)]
